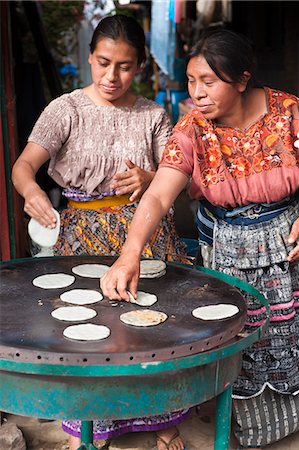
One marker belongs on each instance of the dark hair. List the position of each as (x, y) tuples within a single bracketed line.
[(120, 27), (229, 54)]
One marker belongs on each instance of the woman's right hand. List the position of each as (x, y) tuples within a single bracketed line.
[(38, 206), (121, 277)]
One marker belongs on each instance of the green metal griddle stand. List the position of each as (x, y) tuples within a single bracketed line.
[(58, 391)]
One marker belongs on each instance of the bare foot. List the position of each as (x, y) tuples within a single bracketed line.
[(169, 439), (74, 443)]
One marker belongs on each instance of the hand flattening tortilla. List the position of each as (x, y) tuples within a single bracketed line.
[(215, 312), (81, 296), (73, 313), (90, 270), (53, 281), (86, 332), (143, 317), (143, 298), (152, 268)]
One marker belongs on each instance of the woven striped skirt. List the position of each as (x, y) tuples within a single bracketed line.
[(104, 231), (266, 393)]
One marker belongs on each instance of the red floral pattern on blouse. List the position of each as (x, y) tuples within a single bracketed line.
[(174, 154), (224, 151), (232, 167)]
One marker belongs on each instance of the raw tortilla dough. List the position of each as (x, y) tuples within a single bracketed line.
[(53, 280), (215, 312), (143, 317), (87, 332), (143, 299), (152, 268), (90, 270), (73, 313), (43, 236), (81, 296)]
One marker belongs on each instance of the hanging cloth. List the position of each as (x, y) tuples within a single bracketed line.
[(163, 35)]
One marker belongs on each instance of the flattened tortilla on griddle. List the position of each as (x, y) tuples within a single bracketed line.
[(215, 312), (143, 317), (73, 313), (143, 298), (81, 296), (86, 332), (53, 281), (90, 270)]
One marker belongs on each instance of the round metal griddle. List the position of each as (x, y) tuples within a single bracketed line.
[(29, 332)]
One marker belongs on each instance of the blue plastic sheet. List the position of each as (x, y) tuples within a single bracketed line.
[(163, 35)]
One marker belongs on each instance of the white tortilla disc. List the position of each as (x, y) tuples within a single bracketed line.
[(53, 280), (152, 268), (81, 296), (215, 312), (73, 313), (143, 299), (43, 236), (86, 332), (90, 270), (143, 317)]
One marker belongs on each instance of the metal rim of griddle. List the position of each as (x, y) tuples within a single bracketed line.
[(70, 362)]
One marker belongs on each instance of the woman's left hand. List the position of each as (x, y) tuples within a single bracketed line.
[(133, 181), (293, 239)]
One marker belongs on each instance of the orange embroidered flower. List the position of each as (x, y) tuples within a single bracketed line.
[(172, 154), (278, 124), (247, 147), (271, 139), (183, 122), (260, 163), (240, 167), (209, 176), (288, 159), (288, 102), (213, 157), (226, 150), (200, 122)]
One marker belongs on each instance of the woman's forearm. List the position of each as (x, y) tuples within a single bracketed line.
[(37, 203), (156, 201), (23, 178), (153, 205), (144, 223)]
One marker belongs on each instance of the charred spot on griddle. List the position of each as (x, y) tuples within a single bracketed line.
[(200, 291)]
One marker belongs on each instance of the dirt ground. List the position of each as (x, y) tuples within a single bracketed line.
[(197, 432)]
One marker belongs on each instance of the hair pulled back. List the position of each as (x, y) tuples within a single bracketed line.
[(229, 54), (120, 27)]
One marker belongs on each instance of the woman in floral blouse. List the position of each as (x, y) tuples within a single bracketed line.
[(239, 150)]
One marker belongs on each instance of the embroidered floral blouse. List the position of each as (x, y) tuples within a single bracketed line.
[(231, 167)]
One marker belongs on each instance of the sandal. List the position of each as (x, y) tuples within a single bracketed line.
[(168, 444)]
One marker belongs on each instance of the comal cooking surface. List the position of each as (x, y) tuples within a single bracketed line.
[(30, 333)]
